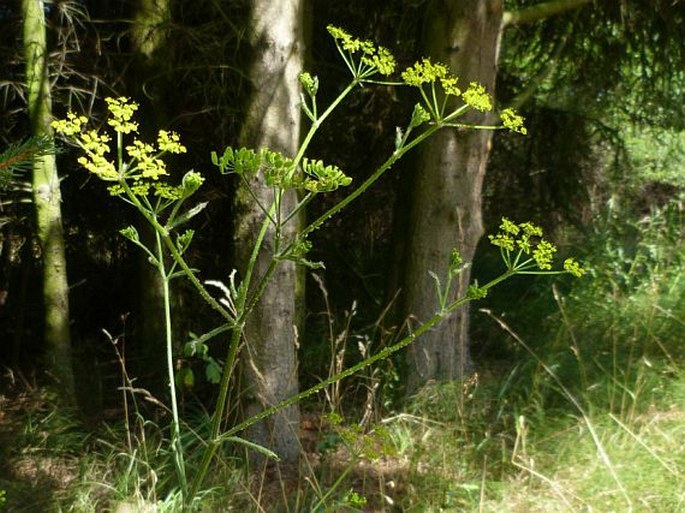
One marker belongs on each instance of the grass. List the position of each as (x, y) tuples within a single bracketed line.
[(483, 446)]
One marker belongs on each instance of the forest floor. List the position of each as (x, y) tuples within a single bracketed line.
[(415, 461)]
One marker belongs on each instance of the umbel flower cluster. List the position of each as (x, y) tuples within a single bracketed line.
[(524, 248), (373, 58), (143, 170), (377, 59)]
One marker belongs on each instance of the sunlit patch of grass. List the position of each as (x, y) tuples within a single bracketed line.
[(563, 472)]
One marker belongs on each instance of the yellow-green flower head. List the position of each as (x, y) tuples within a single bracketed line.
[(191, 182), (571, 266), (382, 60), (309, 83), (70, 126), (122, 111), (508, 226), (100, 166), (449, 85), (477, 97), (152, 169), (166, 191), (149, 166), (94, 143), (140, 188), (512, 121), (530, 229), (379, 58), (140, 150), (502, 240), (116, 190), (424, 72), (170, 142), (544, 254), (347, 42), (455, 258)]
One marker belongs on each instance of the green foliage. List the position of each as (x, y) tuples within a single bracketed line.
[(656, 155)]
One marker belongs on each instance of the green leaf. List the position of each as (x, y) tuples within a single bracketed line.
[(256, 447), (419, 116), (212, 370), (185, 378), (195, 346)]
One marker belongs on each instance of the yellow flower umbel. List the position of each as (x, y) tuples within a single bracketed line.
[(374, 59), (523, 248), (427, 73), (513, 121), (141, 173)]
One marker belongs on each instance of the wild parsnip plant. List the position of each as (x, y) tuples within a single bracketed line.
[(137, 175)]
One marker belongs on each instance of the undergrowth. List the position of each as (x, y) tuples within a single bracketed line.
[(585, 413)]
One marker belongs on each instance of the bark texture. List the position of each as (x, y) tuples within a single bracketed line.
[(149, 33), (47, 198), (269, 357), (446, 197)]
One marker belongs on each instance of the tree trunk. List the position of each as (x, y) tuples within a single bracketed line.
[(47, 199), (269, 357), (149, 31), (149, 37), (446, 197)]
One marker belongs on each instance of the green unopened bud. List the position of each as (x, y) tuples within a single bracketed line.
[(191, 182), (130, 233), (309, 83), (419, 116)]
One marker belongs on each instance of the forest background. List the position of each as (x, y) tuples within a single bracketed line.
[(558, 393)]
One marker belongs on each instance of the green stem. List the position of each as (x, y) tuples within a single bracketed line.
[(176, 444), (383, 354), (368, 182), (227, 373), (243, 307), (175, 254), (316, 124), (213, 441), (303, 203)]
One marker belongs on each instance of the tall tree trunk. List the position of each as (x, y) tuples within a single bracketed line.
[(149, 37), (47, 199), (446, 197), (269, 358)]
